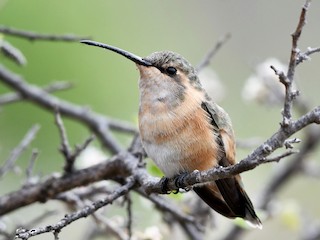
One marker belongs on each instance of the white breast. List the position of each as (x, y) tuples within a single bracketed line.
[(165, 156)]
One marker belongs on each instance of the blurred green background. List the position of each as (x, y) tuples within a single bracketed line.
[(107, 83)]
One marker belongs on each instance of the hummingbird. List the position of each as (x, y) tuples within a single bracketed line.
[(183, 130)]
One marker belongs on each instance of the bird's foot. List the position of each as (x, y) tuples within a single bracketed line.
[(164, 185), (179, 182)]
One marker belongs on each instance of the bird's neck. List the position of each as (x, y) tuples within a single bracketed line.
[(159, 94)]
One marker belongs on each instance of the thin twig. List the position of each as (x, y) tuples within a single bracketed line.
[(208, 57), (98, 123), (69, 218), (129, 214), (69, 155), (295, 38), (29, 35), (15, 154), (29, 169), (289, 142), (281, 156), (65, 146), (289, 94), (12, 52), (83, 146), (74, 197), (303, 56), (15, 97)]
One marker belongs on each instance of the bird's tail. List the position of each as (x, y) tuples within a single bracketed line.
[(227, 197), (250, 215)]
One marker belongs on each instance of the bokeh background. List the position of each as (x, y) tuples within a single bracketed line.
[(107, 83)]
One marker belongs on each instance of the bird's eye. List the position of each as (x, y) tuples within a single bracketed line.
[(171, 71)]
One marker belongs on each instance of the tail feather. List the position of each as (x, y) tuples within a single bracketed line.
[(250, 215), (228, 198), (211, 196)]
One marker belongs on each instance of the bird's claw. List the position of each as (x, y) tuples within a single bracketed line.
[(179, 182), (164, 185)]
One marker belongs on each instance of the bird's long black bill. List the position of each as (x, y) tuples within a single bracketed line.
[(120, 51)]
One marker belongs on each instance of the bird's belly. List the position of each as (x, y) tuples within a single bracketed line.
[(165, 156), (179, 144)]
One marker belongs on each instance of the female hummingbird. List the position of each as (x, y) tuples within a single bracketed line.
[(183, 130)]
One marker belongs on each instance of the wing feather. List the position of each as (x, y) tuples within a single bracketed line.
[(235, 201)]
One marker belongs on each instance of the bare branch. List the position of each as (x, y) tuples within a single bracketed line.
[(29, 35), (279, 157), (289, 142), (15, 154), (69, 218), (295, 38), (29, 169), (83, 146), (15, 97), (303, 56), (290, 94), (12, 52), (65, 146), (108, 226), (129, 214), (55, 185), (208, 57), (98, 123)]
